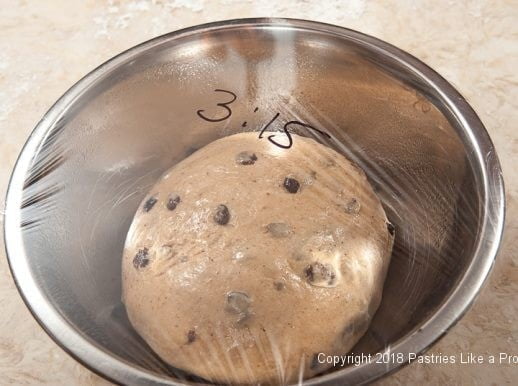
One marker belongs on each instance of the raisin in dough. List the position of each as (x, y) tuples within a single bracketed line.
[(246, 260)]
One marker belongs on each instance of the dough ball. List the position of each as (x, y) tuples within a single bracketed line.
[(246, 260)]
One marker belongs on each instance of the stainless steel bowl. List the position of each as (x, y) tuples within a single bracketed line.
[(93, 156)]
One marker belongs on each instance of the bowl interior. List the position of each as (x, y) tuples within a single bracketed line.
[(139, 118)]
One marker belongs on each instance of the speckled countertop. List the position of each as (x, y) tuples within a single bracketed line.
[(45, 46)]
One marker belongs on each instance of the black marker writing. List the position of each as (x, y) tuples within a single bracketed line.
[(222, 104), (307, 127), (285, 129), (268, 125)]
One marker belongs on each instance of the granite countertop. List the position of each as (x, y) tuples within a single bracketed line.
[(46, 46)]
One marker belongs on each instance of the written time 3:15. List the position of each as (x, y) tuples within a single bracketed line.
[(223, 111)]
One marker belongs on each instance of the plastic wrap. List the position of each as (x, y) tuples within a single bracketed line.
[(93, 161)]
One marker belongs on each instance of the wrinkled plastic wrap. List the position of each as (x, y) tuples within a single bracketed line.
[(94, 160)]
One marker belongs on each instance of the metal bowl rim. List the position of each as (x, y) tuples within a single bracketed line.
[(117, 369)]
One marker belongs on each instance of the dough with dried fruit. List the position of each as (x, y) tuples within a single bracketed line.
[(246, 260)]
